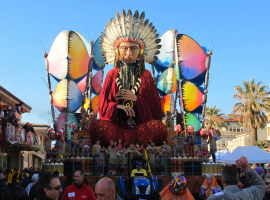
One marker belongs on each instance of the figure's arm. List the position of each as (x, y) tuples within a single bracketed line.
[(148, 103), (107, 105)]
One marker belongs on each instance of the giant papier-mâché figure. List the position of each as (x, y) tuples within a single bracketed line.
[(129, 104)]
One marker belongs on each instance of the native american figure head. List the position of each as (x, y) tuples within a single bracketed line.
[(130, 39)]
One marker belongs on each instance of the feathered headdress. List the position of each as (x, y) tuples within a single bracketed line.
[(203, 132), (72, 125), (191, 128), (126, 28)]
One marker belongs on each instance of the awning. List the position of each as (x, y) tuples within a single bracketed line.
[(40, 155)]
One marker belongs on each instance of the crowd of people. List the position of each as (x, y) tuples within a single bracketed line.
[(30, 184)]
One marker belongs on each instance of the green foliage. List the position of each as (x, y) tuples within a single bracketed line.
[(254, 101), (260, 144), (212, 119)]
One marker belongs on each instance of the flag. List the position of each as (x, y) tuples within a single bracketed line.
[(147, 164)]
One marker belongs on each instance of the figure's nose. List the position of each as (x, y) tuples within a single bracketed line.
[(129, 52)]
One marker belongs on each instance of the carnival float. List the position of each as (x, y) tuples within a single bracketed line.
[(133, 105)]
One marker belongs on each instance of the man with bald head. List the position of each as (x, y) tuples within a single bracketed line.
[(105, 190)]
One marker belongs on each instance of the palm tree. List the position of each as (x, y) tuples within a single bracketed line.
[(260, 144), (213, 119), (254, 102)]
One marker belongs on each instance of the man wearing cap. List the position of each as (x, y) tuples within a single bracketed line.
[(138, 171), (34, 180), (229, 179)]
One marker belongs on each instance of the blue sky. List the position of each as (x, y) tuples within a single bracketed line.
[(241, 51)]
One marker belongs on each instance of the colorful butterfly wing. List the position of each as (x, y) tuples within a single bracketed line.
[(192, 57), (81, 84), (192, 120), (94, 104), (57, 57), (98, 59), (167, 103), (165, 81), (78, 58), (166, 54), (97, 82), (67, 95), (86, 103), (174, 82), (192, 96), (86, 44)]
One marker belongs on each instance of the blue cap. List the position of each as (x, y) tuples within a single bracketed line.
[(35, 177), (139, 164)]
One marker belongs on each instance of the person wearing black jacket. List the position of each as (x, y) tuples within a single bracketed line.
[(13, 191), (33, 190), (56, 174)]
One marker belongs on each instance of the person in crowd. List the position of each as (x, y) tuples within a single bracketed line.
[(13, 191), (105, 190), (2, 114), (258, 169), (79, 190), (152, 151), (34, 179), (209, 187), (2, 182), (267, 187), (69, 180), (133, 151), (101, 160), (49, 187), (95, 152), (229, 180), (166, 154), (138, 171), (26, 180), (19, 107), (33, 190), (112, 152), (267, 172), (56, 174)]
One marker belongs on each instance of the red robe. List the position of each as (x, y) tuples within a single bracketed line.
[(112, 125)]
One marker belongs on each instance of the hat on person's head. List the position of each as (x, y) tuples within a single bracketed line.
[(139, 164), (258, 170), (35, 177)]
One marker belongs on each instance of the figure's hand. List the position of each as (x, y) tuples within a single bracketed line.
[(205, 186), (129, 110), (243, 162), (126, 95)]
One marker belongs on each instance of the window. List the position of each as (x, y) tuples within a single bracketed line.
[(238, 130), (223, 142)]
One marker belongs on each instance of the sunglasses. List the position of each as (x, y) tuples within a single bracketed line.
[(55, 188), (267, 183)]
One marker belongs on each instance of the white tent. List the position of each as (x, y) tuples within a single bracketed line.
[(253, 153), (220, 154)]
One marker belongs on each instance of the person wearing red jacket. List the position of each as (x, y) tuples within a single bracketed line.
[(78, 190)]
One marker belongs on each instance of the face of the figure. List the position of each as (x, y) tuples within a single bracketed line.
[(129, 52), (78, 179), (267, 187), (54, 190), (209, 181)]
